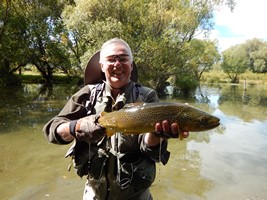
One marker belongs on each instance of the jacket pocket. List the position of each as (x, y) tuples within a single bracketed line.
[(140, 173)]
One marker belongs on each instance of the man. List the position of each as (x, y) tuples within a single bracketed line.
[(122, 166)]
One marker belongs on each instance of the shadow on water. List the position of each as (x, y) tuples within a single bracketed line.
[(207, 165)]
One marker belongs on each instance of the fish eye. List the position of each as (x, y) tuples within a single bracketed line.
[(203, 119)]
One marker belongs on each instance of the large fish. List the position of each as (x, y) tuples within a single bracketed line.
[(136, 118)]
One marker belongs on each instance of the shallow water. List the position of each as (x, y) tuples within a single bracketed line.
[(228, 162)]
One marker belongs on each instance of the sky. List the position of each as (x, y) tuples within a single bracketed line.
[(247, 21)]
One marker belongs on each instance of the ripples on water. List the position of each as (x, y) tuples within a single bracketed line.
[(228, 162)]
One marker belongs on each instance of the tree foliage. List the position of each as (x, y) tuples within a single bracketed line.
[(235, 62), (250, 55), (62, 35), (31, 34), (257, 53), (201, 55)]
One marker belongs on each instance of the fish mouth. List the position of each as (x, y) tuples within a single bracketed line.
[(214, 124), (210, 125)]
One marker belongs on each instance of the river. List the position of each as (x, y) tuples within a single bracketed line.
[(229, 162)]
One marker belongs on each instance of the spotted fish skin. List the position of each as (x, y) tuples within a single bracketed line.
[(137, 118)]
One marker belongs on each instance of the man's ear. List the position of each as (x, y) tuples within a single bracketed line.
[(102, 67)]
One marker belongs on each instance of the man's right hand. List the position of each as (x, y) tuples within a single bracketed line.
[(88, 130)]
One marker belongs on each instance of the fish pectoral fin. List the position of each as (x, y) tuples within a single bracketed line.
[(110, 132)]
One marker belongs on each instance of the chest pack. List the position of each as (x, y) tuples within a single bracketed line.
[(97, 89)]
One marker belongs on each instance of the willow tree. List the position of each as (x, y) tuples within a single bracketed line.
[(200, 56), (235, 61), (257, 52)]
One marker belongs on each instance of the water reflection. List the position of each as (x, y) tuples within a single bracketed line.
[(30, 105), (228, 162), (250, 103)]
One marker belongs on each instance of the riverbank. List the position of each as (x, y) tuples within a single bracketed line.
[(216, 76)]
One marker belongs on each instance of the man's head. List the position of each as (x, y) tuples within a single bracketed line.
[(116, 62)]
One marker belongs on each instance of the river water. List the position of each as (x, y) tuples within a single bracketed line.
[(229, 162)]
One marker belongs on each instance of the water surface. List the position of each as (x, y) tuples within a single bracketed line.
[(228, 162)]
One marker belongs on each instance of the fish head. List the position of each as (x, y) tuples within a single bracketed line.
[(197, 120)]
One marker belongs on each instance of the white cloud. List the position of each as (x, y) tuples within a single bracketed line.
[(247, 21)]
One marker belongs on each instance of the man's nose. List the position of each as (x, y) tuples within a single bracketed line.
[(117, 62)]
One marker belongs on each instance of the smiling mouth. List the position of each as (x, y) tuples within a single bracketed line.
[(117, 73)]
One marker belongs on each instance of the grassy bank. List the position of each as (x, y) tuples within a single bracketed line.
[(220, 77)]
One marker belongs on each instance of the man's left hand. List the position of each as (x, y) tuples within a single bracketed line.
[(167, 130)]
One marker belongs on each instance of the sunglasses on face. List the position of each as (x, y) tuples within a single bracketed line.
[(122, 58)]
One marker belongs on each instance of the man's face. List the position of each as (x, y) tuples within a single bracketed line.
[(117, 65)]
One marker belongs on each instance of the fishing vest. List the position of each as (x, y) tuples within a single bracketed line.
[(90, 158)]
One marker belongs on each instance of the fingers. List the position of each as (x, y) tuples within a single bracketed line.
[(158, 127), (185, 134), (172, 130), (175, 128), (166, 127)]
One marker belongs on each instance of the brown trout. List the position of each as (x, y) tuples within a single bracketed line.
[(137, 118)]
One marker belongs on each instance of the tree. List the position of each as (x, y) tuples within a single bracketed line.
[(157, 31), (235, 62), (201, 55), (63, 35), (9, 35)]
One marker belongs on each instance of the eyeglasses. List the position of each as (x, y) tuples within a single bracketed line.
[(123, 59)]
